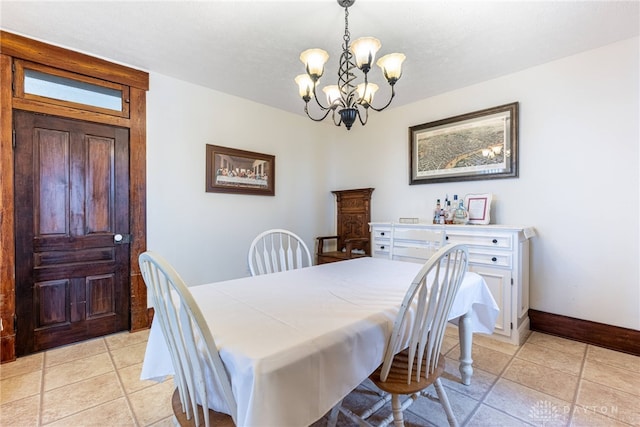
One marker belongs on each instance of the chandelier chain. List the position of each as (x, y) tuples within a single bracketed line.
[(346, 76), (347, 34)]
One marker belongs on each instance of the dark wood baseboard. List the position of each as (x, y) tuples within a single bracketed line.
[(600, 334)]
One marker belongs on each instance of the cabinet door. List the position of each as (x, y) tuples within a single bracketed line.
[(499, 283)]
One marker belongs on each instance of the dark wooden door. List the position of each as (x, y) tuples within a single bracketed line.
[(72, 230)]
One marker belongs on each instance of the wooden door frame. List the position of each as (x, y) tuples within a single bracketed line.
[(15, 46)]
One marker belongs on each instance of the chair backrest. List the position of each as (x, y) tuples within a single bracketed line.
[(416, 245), (277, 250), (353, 215), (424, 313), (193, 351)]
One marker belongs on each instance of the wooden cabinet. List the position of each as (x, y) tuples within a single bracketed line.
[(500, 254), (353, 213)]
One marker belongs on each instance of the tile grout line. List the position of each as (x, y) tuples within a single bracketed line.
[(581, 379), (490, 388), (479, 401), (107, 351), (499, 376), (579, 385), (121, 383), (41, 402)]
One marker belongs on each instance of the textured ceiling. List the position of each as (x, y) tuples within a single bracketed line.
[(250, 48)]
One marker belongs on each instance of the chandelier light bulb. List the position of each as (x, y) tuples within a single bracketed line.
[(314, 60), (365, 96), (364, 50), (333, 94), (391, 66), (305, 86)]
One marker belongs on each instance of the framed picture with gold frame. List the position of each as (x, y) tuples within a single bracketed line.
[(229, 170)]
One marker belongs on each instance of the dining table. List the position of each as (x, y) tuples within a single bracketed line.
[(295, 343)]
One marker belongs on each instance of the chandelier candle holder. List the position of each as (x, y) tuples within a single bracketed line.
[(347, 100)]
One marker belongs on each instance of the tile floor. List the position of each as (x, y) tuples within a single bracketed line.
[(548, 381)]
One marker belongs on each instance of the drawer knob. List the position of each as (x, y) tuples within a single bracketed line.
[(382, 234), (495, 240), (494, 259), (382, 248), (446, 238)]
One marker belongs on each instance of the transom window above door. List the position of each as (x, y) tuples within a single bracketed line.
[(53, 86)]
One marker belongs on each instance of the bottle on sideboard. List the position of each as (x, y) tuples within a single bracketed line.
[(436, 213), (461, 216), (449, 213)]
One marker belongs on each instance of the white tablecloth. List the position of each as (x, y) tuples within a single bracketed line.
[(297, 342)]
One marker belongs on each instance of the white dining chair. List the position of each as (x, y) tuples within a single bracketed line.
[(412, 360), (277, 250), (192, 348)]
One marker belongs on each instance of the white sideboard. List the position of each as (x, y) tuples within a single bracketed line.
[(499, 253)]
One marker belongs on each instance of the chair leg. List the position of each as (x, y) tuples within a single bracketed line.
[(333, 415), (444, 400), (396, 407)]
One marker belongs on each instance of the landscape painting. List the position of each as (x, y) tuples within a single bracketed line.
[(479, 145)]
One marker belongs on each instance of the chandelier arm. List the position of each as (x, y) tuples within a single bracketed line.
[(393, 93), (333, 117), (366, 116), (326, 110), (315, 96)]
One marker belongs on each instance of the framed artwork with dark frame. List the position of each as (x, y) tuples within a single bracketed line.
[(229, 170), (473, 146)]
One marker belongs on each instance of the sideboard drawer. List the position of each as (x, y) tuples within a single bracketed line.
[(493, 259), (500, 241), (381, 249), (381, 234), (416, 235)]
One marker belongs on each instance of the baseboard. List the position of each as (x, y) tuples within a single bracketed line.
[(600, 334), (524, 331)]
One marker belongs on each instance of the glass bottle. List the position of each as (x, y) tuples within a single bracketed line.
[(436, 213), (449, 213), (461, 216)]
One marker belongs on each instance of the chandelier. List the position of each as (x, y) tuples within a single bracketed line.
[(347, 101)]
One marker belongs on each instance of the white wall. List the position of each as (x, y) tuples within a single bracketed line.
[(206, 235), (578, 183)]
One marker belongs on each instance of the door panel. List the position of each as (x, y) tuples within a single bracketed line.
[(72, 197)]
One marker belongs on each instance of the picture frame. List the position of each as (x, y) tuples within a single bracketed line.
[(474, 146), (479, 208), (229, 170)]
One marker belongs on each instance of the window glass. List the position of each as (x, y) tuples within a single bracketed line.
[(56, 87)]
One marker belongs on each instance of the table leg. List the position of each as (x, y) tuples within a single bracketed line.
[(466, 341)]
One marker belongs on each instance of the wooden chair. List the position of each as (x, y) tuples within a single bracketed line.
[(277, 250), (412, 360), (217, 419), (191, 346), (352, 239)]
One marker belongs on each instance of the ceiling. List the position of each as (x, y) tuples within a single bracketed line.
[(250, 48)]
